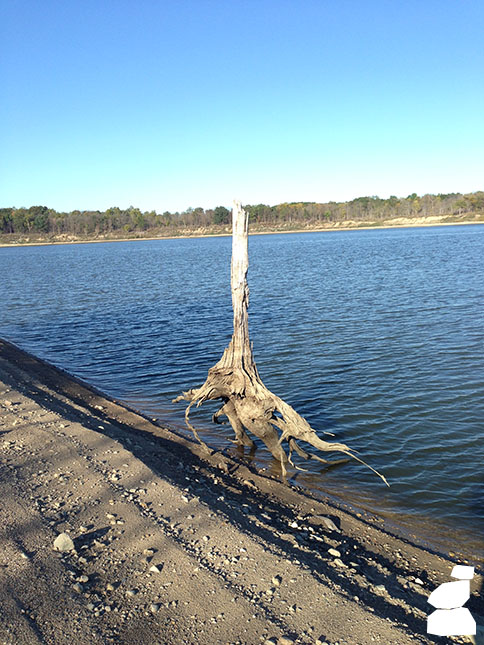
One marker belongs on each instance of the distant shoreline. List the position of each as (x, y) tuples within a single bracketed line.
[(365, 226)]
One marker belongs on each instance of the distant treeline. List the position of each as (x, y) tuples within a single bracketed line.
[(44, 220)]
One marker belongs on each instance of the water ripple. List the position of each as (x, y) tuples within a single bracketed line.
[(376, 336)]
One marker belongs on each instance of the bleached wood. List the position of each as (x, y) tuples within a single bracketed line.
[(246, 402)]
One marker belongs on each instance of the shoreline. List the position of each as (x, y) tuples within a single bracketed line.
[(387, 521), (97, 443), (366, 226)]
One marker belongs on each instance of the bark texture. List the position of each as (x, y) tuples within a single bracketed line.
[(234, 380)]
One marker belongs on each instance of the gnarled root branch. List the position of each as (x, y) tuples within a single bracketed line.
[(246, 403), (249, 406)]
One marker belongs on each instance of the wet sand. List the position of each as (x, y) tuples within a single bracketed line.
[(174, 545)]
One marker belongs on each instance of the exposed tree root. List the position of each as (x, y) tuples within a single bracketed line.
[(246, 402)]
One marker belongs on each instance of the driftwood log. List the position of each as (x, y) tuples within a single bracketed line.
[(234, 380)]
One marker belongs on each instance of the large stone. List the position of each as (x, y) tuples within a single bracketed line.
[(451, 622), (63, 543), (450, 595)]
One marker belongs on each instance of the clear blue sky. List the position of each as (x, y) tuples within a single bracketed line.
[(166, 104)]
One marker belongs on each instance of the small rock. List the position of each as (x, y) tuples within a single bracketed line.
[(339, 562), (154, 607), (83, 578), (249, 483), (285, 640), (276, 580), (155, 569), (322, 520), (78, 587), (381, 588), (334, 552), (63, 543), (24, 556), (131, 593), (418, 581), (206, 538), (109, 587)]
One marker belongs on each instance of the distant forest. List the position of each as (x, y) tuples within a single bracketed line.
[(130, 221)]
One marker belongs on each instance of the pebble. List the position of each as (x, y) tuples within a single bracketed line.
[(334, 552), (63, 543), (131, 593), (339, 562), (285, 640), (155, 569), (326, 521), (276, 581), (154, 607)]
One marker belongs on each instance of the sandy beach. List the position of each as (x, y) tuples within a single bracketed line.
[(402, 222), (174, 545)]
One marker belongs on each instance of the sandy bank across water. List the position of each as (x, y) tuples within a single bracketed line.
[(356, 226), (241, 558)]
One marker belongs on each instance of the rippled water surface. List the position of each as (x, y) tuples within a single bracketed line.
[(376, 336)]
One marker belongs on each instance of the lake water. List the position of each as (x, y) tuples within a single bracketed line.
[(375, 335)]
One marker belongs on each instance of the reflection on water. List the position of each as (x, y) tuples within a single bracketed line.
[(376, 336)]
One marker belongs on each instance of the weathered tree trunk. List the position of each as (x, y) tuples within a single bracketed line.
[(246, 402)]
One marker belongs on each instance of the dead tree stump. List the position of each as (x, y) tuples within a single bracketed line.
[(234, 380)]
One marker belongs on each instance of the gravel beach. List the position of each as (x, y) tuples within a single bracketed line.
[(116, 530)]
